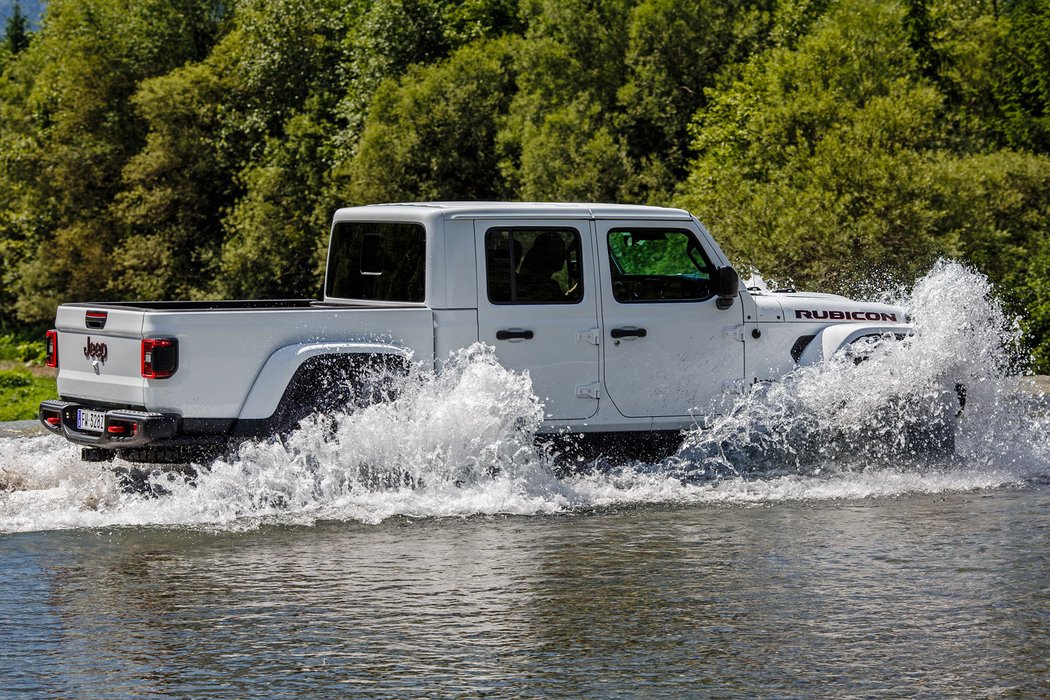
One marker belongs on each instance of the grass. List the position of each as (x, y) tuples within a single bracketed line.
[(24, 381), (21, 391)]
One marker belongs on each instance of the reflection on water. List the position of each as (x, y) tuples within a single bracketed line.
[(921, 595)]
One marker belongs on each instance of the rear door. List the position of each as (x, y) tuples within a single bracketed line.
[(666, 347), (538, 307)]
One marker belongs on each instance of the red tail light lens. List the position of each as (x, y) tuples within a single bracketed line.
[(52, 348), (160, 357)]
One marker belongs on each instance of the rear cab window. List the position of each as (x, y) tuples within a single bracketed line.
[(377, 262)]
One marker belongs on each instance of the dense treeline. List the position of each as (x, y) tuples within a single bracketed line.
[(197, 148)]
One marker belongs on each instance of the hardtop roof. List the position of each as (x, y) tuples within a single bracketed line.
[(548, 210)]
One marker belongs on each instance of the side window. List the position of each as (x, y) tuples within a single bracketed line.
[(533, 266), (649, 264), (377, 262)]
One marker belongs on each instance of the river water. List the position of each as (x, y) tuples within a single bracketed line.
[(806, 544)]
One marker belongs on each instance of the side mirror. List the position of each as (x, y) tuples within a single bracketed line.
[(727, 286)]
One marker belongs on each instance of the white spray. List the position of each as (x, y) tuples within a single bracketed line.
[(460, 443)]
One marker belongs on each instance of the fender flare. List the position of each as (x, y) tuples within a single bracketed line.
[(279, 369), (834, 338)]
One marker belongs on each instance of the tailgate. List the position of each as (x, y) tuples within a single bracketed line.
[(100, 354)]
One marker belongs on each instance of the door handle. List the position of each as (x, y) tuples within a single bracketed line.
[(514, 334), (627, 333)]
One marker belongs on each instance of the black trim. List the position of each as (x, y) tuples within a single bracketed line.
[(320, 384), (95, 319), (169, 439), (327, 383), (579, 451), (801, 343), (239, 305), (207, 426), (152, 427), (515, 335)]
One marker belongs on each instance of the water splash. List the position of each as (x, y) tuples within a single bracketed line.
[(890, 400), (460, 443), (454, 443)]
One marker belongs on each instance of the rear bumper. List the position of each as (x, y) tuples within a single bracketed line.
[(122, 428)]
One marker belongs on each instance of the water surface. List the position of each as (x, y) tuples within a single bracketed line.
[(942, 595), (820, 539)]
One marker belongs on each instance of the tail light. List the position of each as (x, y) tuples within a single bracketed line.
[(160, 357), (52, 348)]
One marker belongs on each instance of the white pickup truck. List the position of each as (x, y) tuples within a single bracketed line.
[(629, 319)]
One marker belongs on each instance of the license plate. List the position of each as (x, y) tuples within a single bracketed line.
[(91, 421)]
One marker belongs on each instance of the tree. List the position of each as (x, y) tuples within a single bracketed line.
[(559, 141), (277, 230), (814, 155), (606, 90), (838, 159), (675, 52), (79, 130), (217, 130), (16, 32), (432, 135)]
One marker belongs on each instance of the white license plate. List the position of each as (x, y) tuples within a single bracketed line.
[(92, 421)]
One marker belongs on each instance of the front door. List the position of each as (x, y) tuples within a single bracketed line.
[(666, 349), (538, 307)]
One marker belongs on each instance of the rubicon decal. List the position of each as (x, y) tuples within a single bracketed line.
[(825, 315), (96, 351)]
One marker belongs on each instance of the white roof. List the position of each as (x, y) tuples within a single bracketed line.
[(496, 210)]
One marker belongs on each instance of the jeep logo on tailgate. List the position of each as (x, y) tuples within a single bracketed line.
[(96, 351)]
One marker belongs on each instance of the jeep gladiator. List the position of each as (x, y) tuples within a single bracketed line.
[(629, 319)]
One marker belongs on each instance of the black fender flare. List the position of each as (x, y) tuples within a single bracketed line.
[(331, 382)]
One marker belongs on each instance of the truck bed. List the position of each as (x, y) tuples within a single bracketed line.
[(222, 348)]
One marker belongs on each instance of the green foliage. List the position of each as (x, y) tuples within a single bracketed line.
[(994, 63), (1036, 305), (170, 204), (606, 91), (674, 52), (827, 161), (14, 348), (277, 229), (812, 161), (74, 129), (21, 393), (432, 135), (197, 148), (560, 142), (214, 128)]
